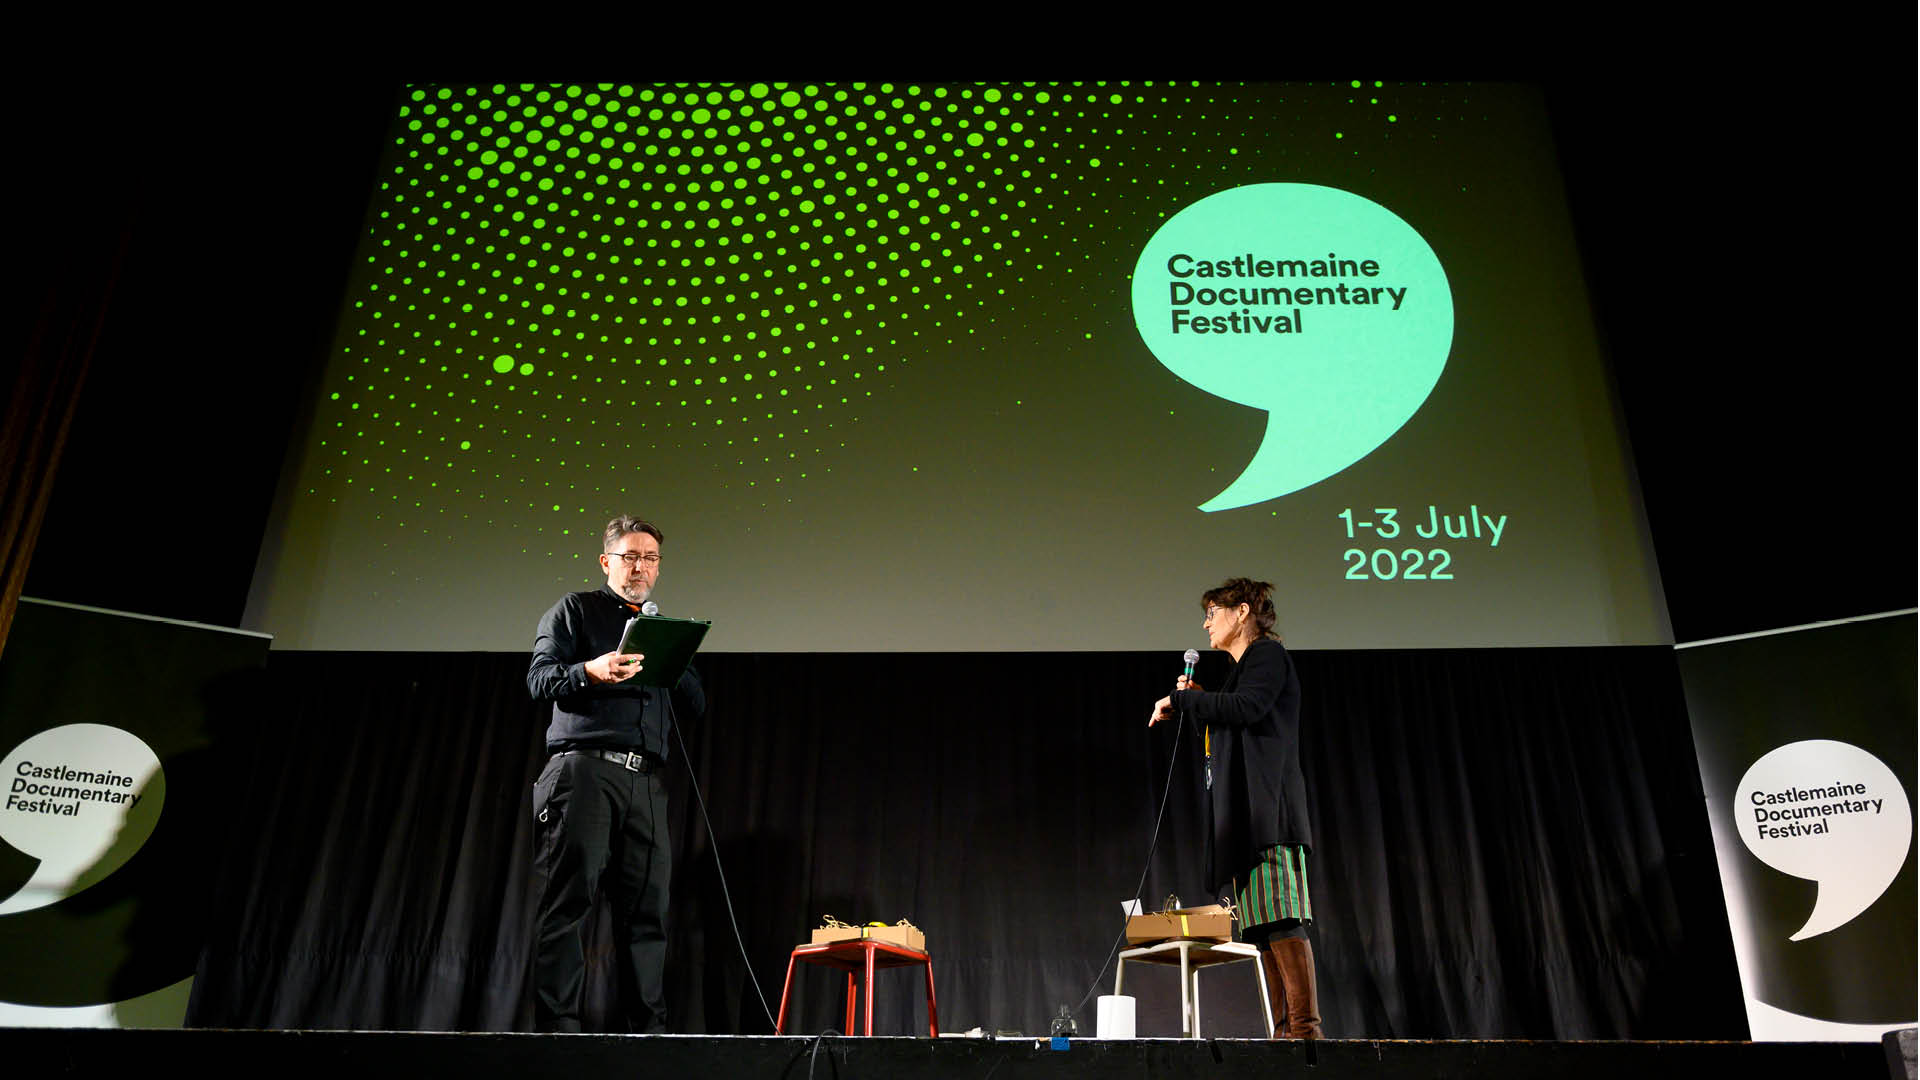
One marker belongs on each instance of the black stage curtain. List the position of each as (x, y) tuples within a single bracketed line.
[(1510, 843)]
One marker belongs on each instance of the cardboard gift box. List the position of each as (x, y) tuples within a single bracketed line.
[(900, 934), (1211, 923), (910, 936), (827, 935)]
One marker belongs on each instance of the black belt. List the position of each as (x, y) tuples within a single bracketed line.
[(632, 760)]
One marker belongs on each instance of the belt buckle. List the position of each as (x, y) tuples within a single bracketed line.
[(635, 762)]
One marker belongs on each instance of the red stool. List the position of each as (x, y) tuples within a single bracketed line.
[(850, 956)]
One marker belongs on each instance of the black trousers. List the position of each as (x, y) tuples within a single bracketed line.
[(600, 829)]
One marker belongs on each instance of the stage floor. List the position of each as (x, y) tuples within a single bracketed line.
[(36, 1052)]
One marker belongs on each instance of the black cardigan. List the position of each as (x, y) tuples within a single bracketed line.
[(1259, 791)]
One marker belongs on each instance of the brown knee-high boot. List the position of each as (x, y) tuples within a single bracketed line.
[(1276, 991), (1294, 958)]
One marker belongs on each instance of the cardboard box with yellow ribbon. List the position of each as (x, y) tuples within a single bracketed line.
[(1211, 923), (901, 933)]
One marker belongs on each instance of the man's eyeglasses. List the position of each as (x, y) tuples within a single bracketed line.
[(634, 557)]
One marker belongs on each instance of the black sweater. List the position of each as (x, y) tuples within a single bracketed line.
[(614, 716), (1259, 791)]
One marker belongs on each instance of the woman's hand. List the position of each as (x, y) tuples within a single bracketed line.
[(1184, 683), (1161, 710)]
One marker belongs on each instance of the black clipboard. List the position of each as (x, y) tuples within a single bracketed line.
[(667, 644)]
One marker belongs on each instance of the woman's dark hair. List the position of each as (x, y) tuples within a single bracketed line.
[(1257, 595)]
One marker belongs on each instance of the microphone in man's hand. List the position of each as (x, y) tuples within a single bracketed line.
[(648, 607)]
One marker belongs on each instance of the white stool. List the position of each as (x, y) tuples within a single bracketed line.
[(1192, 956)]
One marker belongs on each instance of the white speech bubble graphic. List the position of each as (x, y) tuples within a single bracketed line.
[(1829, 812), (81, 798), (1316, 305)]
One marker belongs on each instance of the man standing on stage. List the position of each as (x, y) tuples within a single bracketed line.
[(600, 806)]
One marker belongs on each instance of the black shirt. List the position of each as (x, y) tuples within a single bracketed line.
[(613, 716)]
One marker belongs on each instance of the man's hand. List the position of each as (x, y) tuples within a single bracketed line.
[(614, 667)]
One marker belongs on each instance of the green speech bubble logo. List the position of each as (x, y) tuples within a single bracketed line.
[(1320, 307)]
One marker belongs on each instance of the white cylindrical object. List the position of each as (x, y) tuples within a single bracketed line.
[(1115, 1018)]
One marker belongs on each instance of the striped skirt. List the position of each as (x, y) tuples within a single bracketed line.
[(1275, 889)]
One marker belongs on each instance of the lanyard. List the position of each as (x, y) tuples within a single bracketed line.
[(1206, 742)]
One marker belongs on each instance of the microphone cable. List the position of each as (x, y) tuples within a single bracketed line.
[(1180, 728), (713, 839), (651, 609)]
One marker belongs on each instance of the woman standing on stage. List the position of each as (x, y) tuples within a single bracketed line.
[(1260, 834)]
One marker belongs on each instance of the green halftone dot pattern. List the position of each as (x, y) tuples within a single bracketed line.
[(563, 279), (726, 266)]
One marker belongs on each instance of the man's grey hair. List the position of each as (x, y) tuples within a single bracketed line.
[(627, 523)]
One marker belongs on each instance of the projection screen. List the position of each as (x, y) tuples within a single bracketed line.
[(982, 367)]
